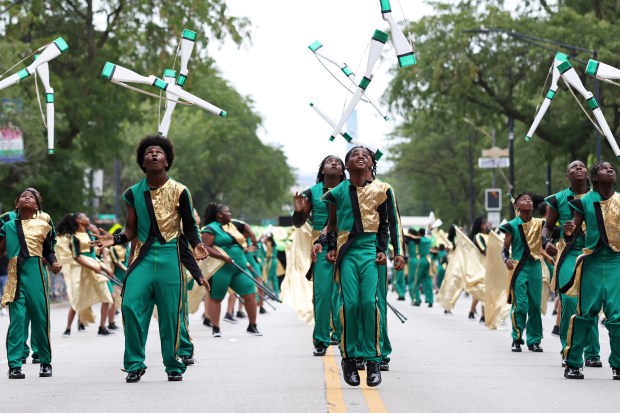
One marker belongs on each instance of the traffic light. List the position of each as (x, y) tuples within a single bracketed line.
[(493, 199)]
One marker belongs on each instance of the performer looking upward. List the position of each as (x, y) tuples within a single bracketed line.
[(156, 207), (324, 290), (560, 212)]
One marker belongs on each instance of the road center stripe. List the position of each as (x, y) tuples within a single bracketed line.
[(372, 396), (333, 389)]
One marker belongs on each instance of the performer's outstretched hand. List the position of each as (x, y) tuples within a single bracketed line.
[(399, 262), (103, 239), (200, 252), (299, 202), (316, 250), (381, 258)]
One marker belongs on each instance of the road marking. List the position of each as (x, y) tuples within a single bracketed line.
[(372, 396), (333, 390)]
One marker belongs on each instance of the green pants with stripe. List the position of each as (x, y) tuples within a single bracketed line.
[(592, 348), (600, 288), (382, 289), (31, 303), (400, 283), (423, 279), (413, 268), (322, 299), (186, 347), (526, 299), (156, 280), (359, 275)]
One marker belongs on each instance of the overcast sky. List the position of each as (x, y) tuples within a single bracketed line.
[(282, 75)]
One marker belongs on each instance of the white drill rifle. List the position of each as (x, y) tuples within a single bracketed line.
[(188, 39), (320, 51), (378, 153), (570, 77), (121, 76), (41, 67), (376, 46), (606, 73), (404, 50)]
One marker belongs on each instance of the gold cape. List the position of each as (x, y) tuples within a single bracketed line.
[(497, 283), (296, 291)]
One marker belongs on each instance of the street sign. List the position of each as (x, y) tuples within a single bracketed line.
[(495, 152), (493, 199), (494, 218), (492, 163)]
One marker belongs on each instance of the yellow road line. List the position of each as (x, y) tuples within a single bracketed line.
[(372, 396), (333, 390)]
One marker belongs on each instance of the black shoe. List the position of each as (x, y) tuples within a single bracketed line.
[(482, 320), (563, 363), (25, 360), (447, 312), (536, 348), (430, 305), (333, 342), (228, 317), (103, 331), (67, 333), (555, 331), (400, 299), (555, 312), (615, 373), (16, 373), (240, 314), (471, 316), (35, 359), (206, 321), (571, 373), (45, 370), (385, 365), (188, 360), (175, 376), (516, 347), (349, 372), (112, 326), (360, 364), (415, 304), (81, 327), (594, 363), (253, 330), (319, 351), (373, 373), (261, 310), (216, 331), (135, 376)]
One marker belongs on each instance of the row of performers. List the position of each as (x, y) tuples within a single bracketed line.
[(573, 250), (160, 270)]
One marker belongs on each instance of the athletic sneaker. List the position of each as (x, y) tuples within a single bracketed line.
[(228, 317), (253, 330), (216, 331)]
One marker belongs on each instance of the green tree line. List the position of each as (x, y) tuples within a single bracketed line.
[(466, 85), (220, 160)]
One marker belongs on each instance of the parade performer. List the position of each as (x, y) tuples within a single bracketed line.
[(321, 273), (222, 231), (357, 237), (422, 277), (412, 263), (93, 286), (27, 241), (597, 271), (560, 212), (524, 235), (479, 235), (156, 208)]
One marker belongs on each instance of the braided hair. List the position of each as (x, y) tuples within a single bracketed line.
[(211, 212), (320, 176), (373, 170), (597, 166)]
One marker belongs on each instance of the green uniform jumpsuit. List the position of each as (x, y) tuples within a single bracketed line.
[(564, 268), (525, 293), (596, 280), (412, 266), (422, 276)]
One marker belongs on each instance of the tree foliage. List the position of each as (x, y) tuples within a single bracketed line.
[(97, 122), (467, 84)]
